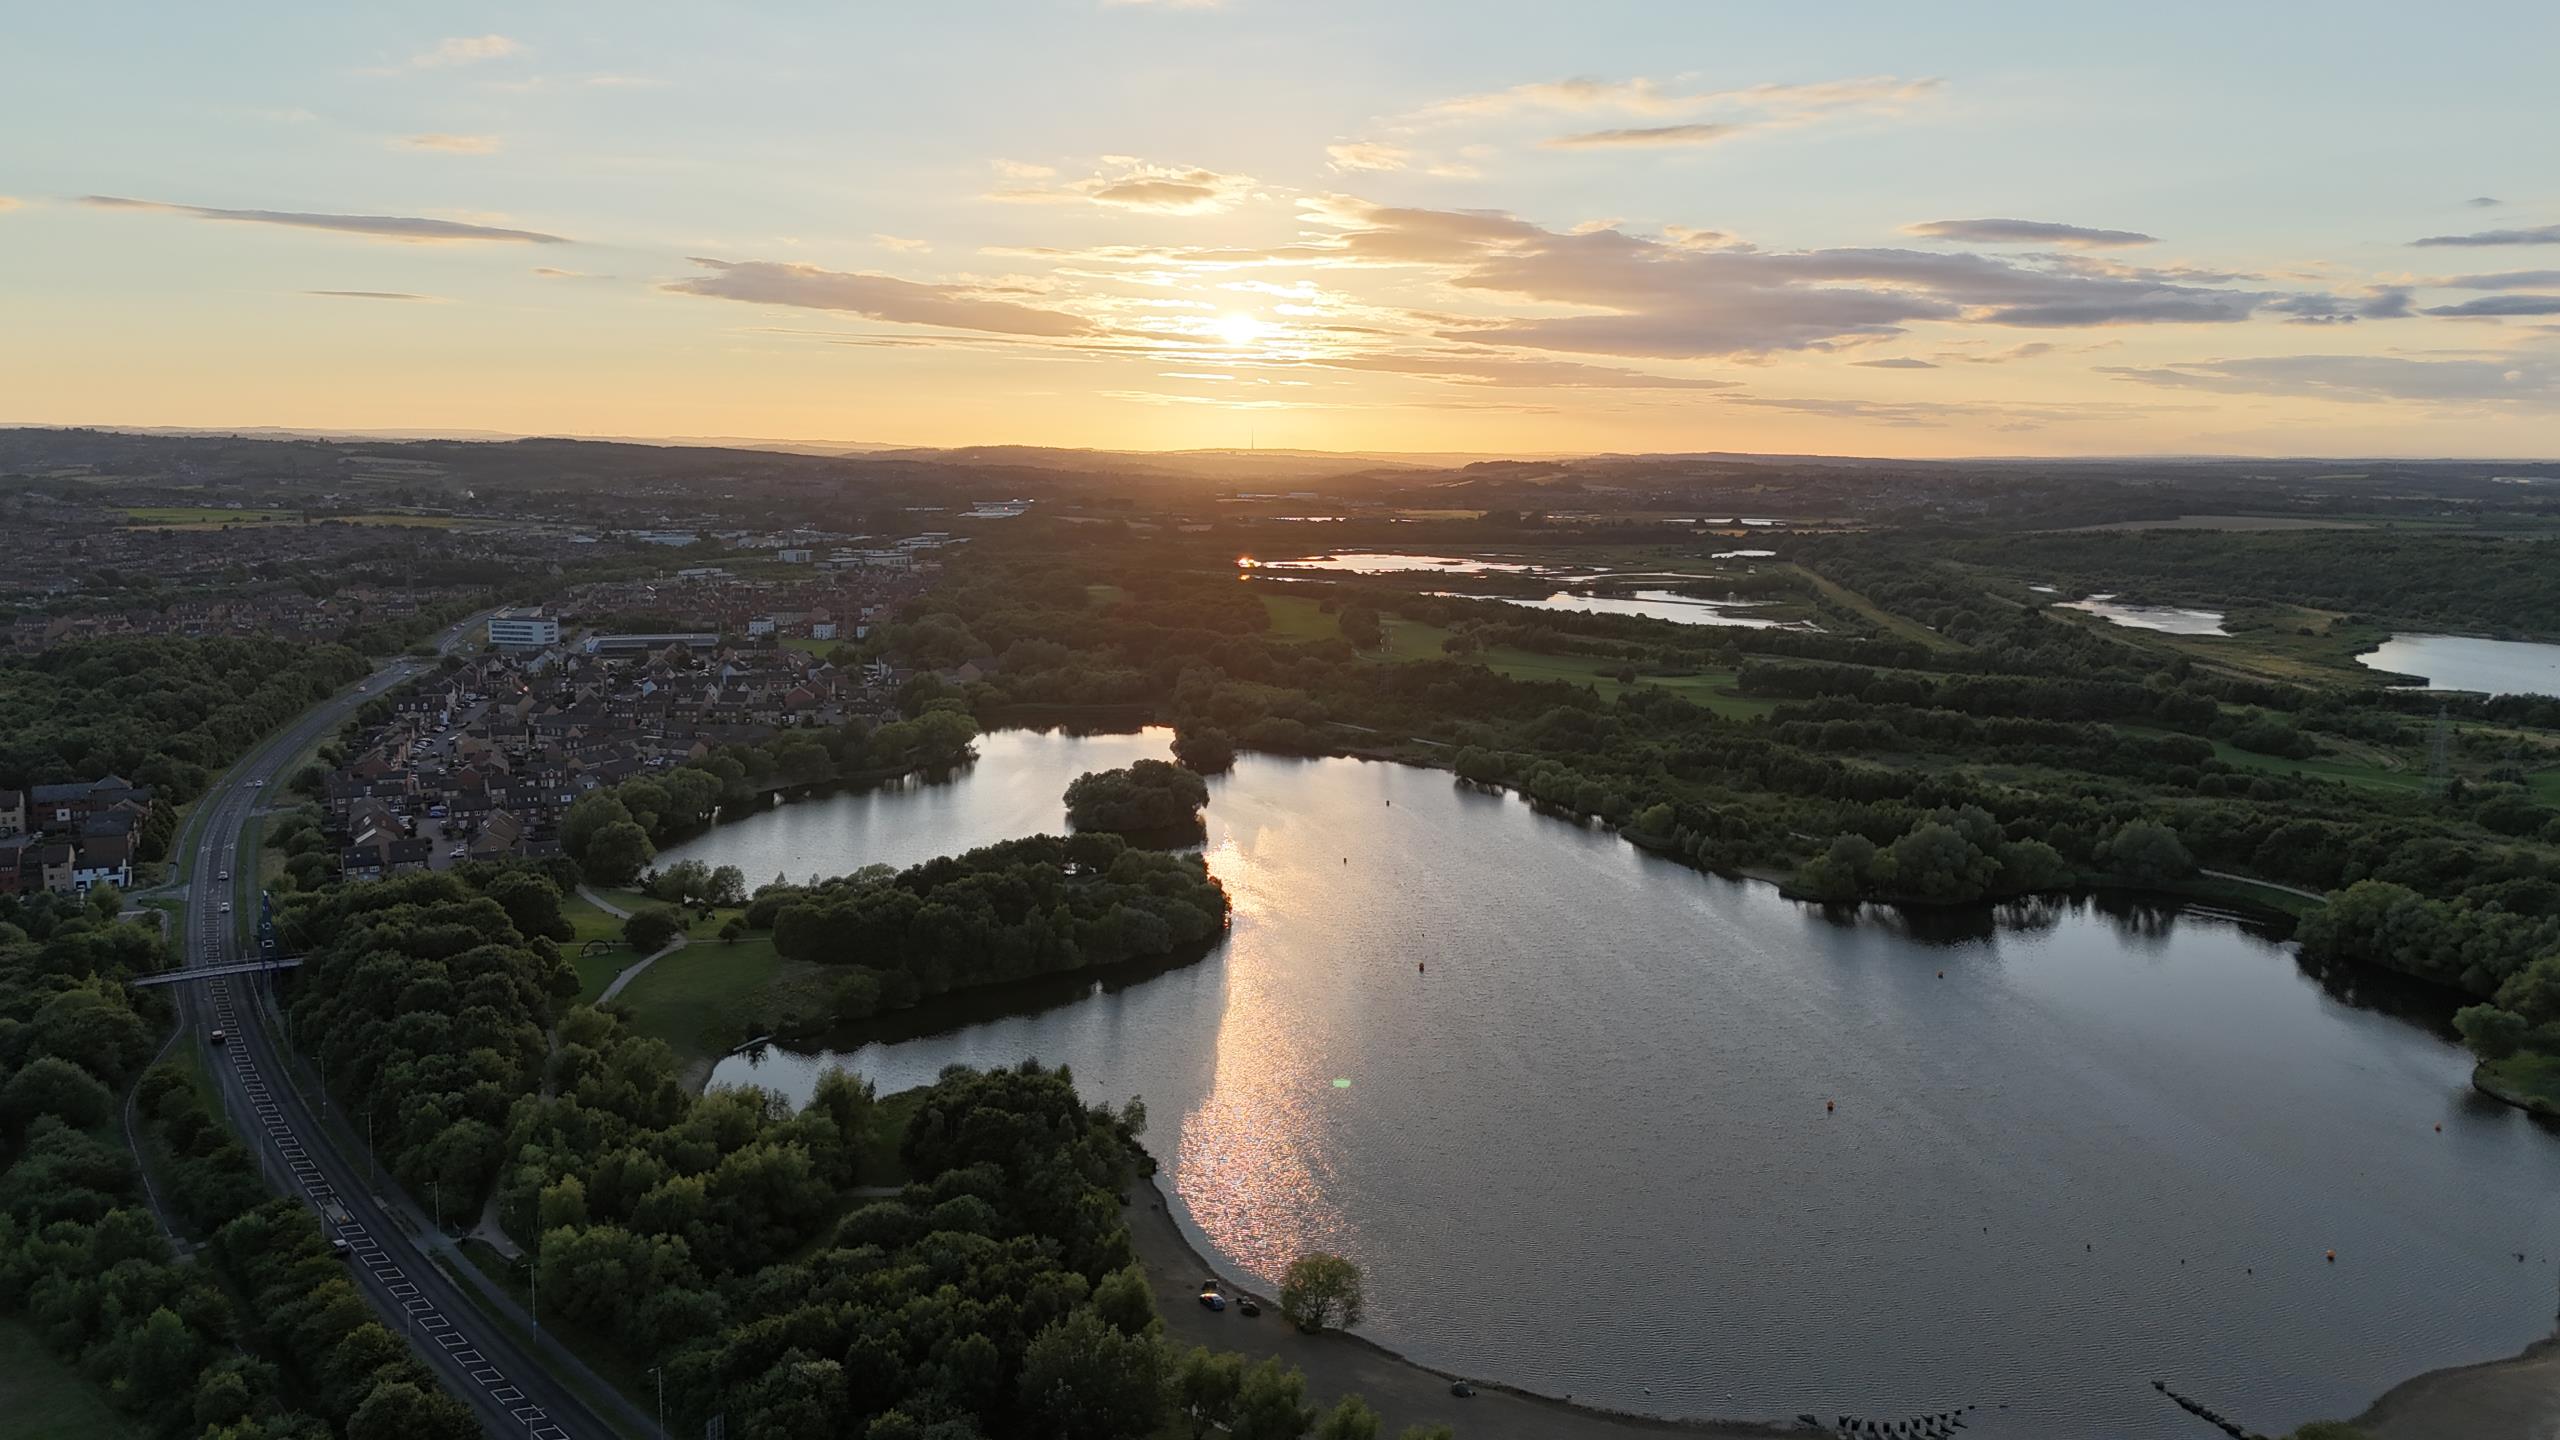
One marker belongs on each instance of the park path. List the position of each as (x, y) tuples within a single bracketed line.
[(631, 971), (2266, 884)]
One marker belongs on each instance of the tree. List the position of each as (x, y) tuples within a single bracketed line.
[(651, 927), (1207, 750), (1351, 1419), (51, 1085), (1320, 1289), (2491, 1032), (1271, 1404), (615, 852), (1205, 1386), (1085, 1380), (733, 930), (1148, 795), (1359, 625), (2148, 852)]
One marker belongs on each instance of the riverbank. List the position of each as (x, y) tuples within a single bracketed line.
[(2512, 1399), (2528, 1081), (1403, 1392)]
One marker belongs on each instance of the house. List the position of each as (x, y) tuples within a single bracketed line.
[(13, 813)]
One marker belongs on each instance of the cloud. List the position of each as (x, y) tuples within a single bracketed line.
[(10, 202), (2492, 305), (373, 295), (880, 297), (452, 144), (1898, 362), (2027, 232), (1129, 184), (2538, 235), (2503, 280), (375, 227), (1662, 299), (1492, 368), (1642, 137), (902, 243), (465, 50), (2365, 378), (1351, 155), (2380, 302), (1640, 96), (2484, 202), (1163, 4), (2028, 351)]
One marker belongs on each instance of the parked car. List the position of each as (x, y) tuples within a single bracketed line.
[(1210, 1297), (1461, 1389), (1248, 1307)]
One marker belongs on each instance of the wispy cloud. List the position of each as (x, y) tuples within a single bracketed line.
[(452, 144), (2484, 202), (1128, 184), (373, 295), (465, 50), (1646, 136), (2537, 235), (902, 243), (2491, 306), (880, 297), (1357, 155), (2527, 383), (1898, 362), (10, 202), (409, 228), (2027, 232), (2502, 280)]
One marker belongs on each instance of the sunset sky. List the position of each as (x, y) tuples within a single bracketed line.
[(1491, 226)]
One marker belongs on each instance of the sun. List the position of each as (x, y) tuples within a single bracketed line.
[(1238, 329)]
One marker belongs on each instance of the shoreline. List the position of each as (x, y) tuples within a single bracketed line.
[(1403, 1390), (2517, 1398)]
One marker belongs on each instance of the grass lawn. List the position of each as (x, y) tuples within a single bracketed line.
[(1885, 620), (2545, 785), (1297, 618), (2325, 767), (704, 994), (45, 1399), (430, 522), (880, 1164), (1707, 689), (2527, 1074), (819, 648)]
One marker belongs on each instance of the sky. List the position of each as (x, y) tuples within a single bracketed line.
[(1488, 227)]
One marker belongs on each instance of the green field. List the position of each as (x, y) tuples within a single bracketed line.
[(45, 1399), (706, 997), (1707, 689), (2533, 1077), (200, 515), (1297, 618), (2545, 785)]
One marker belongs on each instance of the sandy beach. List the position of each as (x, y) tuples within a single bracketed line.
[(2513, 1399)]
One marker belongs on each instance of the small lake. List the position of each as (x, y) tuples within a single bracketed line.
[(1586, 1150), (1668, 605), (2460, 662), (2168, 619), (1376, 562)]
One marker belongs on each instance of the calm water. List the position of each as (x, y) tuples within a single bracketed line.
[(2168, 618), (1587, 1152), (1374, 562), (1668, 605), (2459, 662)]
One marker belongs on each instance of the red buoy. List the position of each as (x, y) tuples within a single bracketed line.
[(2333, 1257), (1828, 1107)]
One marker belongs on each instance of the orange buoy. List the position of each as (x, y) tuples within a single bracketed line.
[(2333, 1257)]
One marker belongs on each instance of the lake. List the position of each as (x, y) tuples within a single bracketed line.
[(2460, 662), (2166, 618), (1668, 605), (1586, 1151), (1375, 562)]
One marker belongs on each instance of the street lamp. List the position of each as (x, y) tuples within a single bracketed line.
[(660, 1371)]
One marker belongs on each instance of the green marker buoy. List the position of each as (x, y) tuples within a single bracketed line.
[(1341, 1082)]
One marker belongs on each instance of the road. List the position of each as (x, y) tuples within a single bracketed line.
[(513, 1393)]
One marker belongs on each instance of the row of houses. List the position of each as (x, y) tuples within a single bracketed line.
[(71, 837), (482, 762)]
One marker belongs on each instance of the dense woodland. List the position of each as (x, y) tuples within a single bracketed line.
[(163, 713)]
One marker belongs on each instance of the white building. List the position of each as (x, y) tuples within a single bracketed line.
[(523, 630)]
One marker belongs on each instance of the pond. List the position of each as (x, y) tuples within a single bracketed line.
[(1586, 1150), (1668, 605), (1377, 562), (2168, 619), (2461, 662)]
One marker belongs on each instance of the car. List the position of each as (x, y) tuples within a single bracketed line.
[(225, 875), (338, 1249), (1461, 1389), (1248, 1307), (219, 1038), (1213, 1300), (226, 907)]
